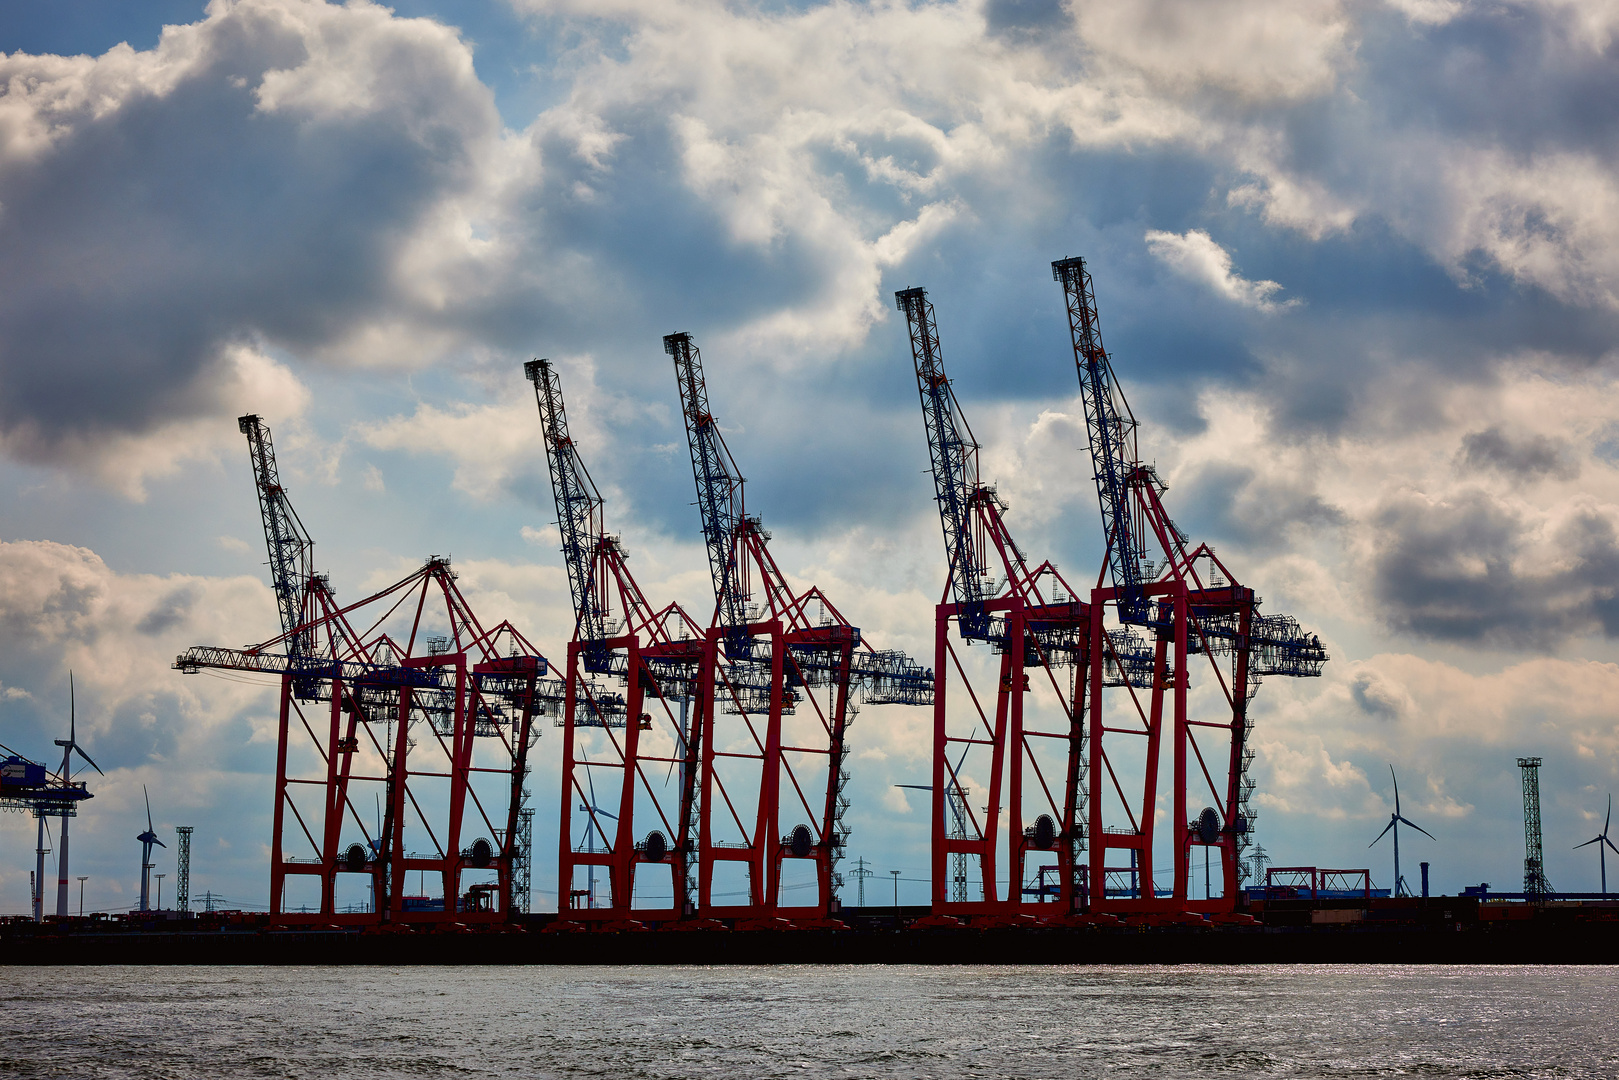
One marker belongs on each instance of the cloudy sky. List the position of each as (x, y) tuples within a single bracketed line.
[(1357, 263)]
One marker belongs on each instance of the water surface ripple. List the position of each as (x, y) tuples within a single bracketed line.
[(659, 1022)]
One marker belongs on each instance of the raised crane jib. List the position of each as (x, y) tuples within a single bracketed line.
[(719, 491), (290, 548), (955, 463), (579, 514), (1112, 430)]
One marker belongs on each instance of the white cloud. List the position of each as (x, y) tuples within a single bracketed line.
[(1431, 12), (1263, 51), (758, 174), (287, 152), (1195, 255), (203, 745)]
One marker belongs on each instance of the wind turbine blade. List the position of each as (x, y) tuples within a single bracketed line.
[(1588, 843), (1605, 840), (1419, 829), (1396, 780), (1609, 818), (80, 751), (1384, 833), (72, 715), (148, 808)]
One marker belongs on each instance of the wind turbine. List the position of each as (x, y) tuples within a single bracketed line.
[(70, 746), (1395, 820), (591, 830), (1600, 840), (147, 839)]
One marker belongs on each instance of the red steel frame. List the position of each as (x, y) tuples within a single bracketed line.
[(759, 691), (657, 656), (1185, 607), (389, 699), (776, 660), (652, 657), (1042, 636), (1028, 621)]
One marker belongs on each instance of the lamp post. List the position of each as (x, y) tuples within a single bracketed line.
[(160, 878), (896, 895), (82, 880)]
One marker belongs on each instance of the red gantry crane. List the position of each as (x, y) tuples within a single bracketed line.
[(1189, 603), (647, 768), (1008, 730), (776, 696), (404, 695)]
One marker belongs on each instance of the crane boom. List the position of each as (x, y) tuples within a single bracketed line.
[(291, 550), (1112, 429), (955, 463), (791, 651), (719, 486), (579, 512)]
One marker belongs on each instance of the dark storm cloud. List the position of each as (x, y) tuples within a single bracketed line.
[(168, 613), (1487, 72), (1526, 457), (1466, 570), (1230, 502), (166, 222)]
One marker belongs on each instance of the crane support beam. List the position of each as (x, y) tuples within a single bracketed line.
[(1194, 607), (404, 696), (719, 489), (640, 829), (1112, 430), (290, 548), (984, 708), (796, 672), (954, 454)]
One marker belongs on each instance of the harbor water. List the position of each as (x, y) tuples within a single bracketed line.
[(655, 1022)]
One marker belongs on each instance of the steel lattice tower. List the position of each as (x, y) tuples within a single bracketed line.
[(1535, 885), (182, 870), (523, 862)]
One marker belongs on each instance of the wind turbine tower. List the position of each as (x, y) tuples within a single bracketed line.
[(1535, 885), (1395, 821), (70, 746), (1603, 843), (147, 839), (37, 885)]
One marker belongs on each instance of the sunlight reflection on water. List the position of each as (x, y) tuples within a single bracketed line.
[(1066, 1022)]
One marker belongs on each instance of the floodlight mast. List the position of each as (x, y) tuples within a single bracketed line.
[(1535, 885)]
